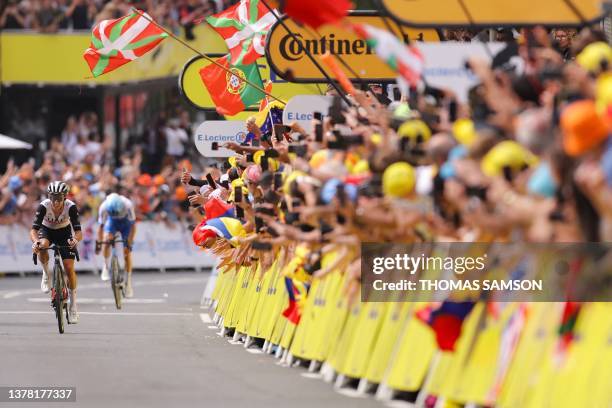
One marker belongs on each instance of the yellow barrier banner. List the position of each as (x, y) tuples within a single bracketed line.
[(446, 13), (497, 361), (33, 58)]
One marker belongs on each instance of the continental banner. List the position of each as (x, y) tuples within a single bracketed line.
[(287, 57), (487, 13)]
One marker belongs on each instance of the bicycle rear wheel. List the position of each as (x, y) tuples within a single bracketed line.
[(58, 302), (116, 281)]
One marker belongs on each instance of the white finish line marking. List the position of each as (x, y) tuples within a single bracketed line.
[(99, 313), (103, 285), (205, 318), (101, 301)]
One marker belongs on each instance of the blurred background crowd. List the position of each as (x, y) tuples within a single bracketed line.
[(84, 160), (49, 16)]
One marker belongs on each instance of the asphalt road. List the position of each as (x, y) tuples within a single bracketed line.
[(159, 351)]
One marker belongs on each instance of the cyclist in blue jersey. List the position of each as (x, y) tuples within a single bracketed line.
[(116, 214)]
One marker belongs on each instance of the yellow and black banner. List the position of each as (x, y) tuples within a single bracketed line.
[(287, 57), (487, 13)]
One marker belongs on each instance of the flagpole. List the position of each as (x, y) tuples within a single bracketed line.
[(206, 56), (342, 61), (307, 52)]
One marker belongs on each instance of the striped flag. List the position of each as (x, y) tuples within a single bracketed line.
[(404, 59), (117, 42), (244, 27)]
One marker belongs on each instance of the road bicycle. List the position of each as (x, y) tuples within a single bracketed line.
[(59, 291), (117, 273)]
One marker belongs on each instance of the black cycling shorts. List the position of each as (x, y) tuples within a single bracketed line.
[(59, 237)]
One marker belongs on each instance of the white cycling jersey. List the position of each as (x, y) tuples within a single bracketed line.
[(45, 216)]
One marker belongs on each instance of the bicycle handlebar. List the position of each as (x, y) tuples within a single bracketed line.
[(114, 241), (56, 248)]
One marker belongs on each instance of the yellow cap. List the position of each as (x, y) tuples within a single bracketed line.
[(232, 161), (376, 139), (239, 182), (464, 132), (350, 160), (399, 180), (289, 179), (593, 55), (318, 158), (257, 156), (362, 166), (506, 154), (414, 128)]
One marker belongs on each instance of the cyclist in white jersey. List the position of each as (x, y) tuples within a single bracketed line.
[(55, 219), (116, 214)]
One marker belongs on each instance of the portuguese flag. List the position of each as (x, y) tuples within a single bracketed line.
[(230, 93), (117, 42)]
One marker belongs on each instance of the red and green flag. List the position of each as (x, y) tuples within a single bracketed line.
[(229, 90), (406, 60), (117, 42), (244, 28)]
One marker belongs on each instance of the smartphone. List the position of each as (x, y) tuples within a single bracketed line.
[(319, 132), (261, 246), (299, 150), (239, 213), (265, 210), (191, 194), (279, 131), (278, 181), (341, 194), (259, 224), (215, 146), (264, 163), (211, 181), (271, 153), (335, 111), (336, 145), (249, 158), (292, 217), (318, 115), (238, 194), (353, 139), (452, 111)]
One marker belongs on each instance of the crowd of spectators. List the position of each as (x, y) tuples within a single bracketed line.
[(528, 158), (86, 163), (49, 16)]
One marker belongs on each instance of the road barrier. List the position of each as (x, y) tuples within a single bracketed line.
[(384, 349), (156, 246)]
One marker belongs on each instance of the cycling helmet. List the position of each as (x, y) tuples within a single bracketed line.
[(114, 205), (58, 187)]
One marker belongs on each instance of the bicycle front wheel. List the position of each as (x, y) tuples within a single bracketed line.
[(58, 302), (116, 281)]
